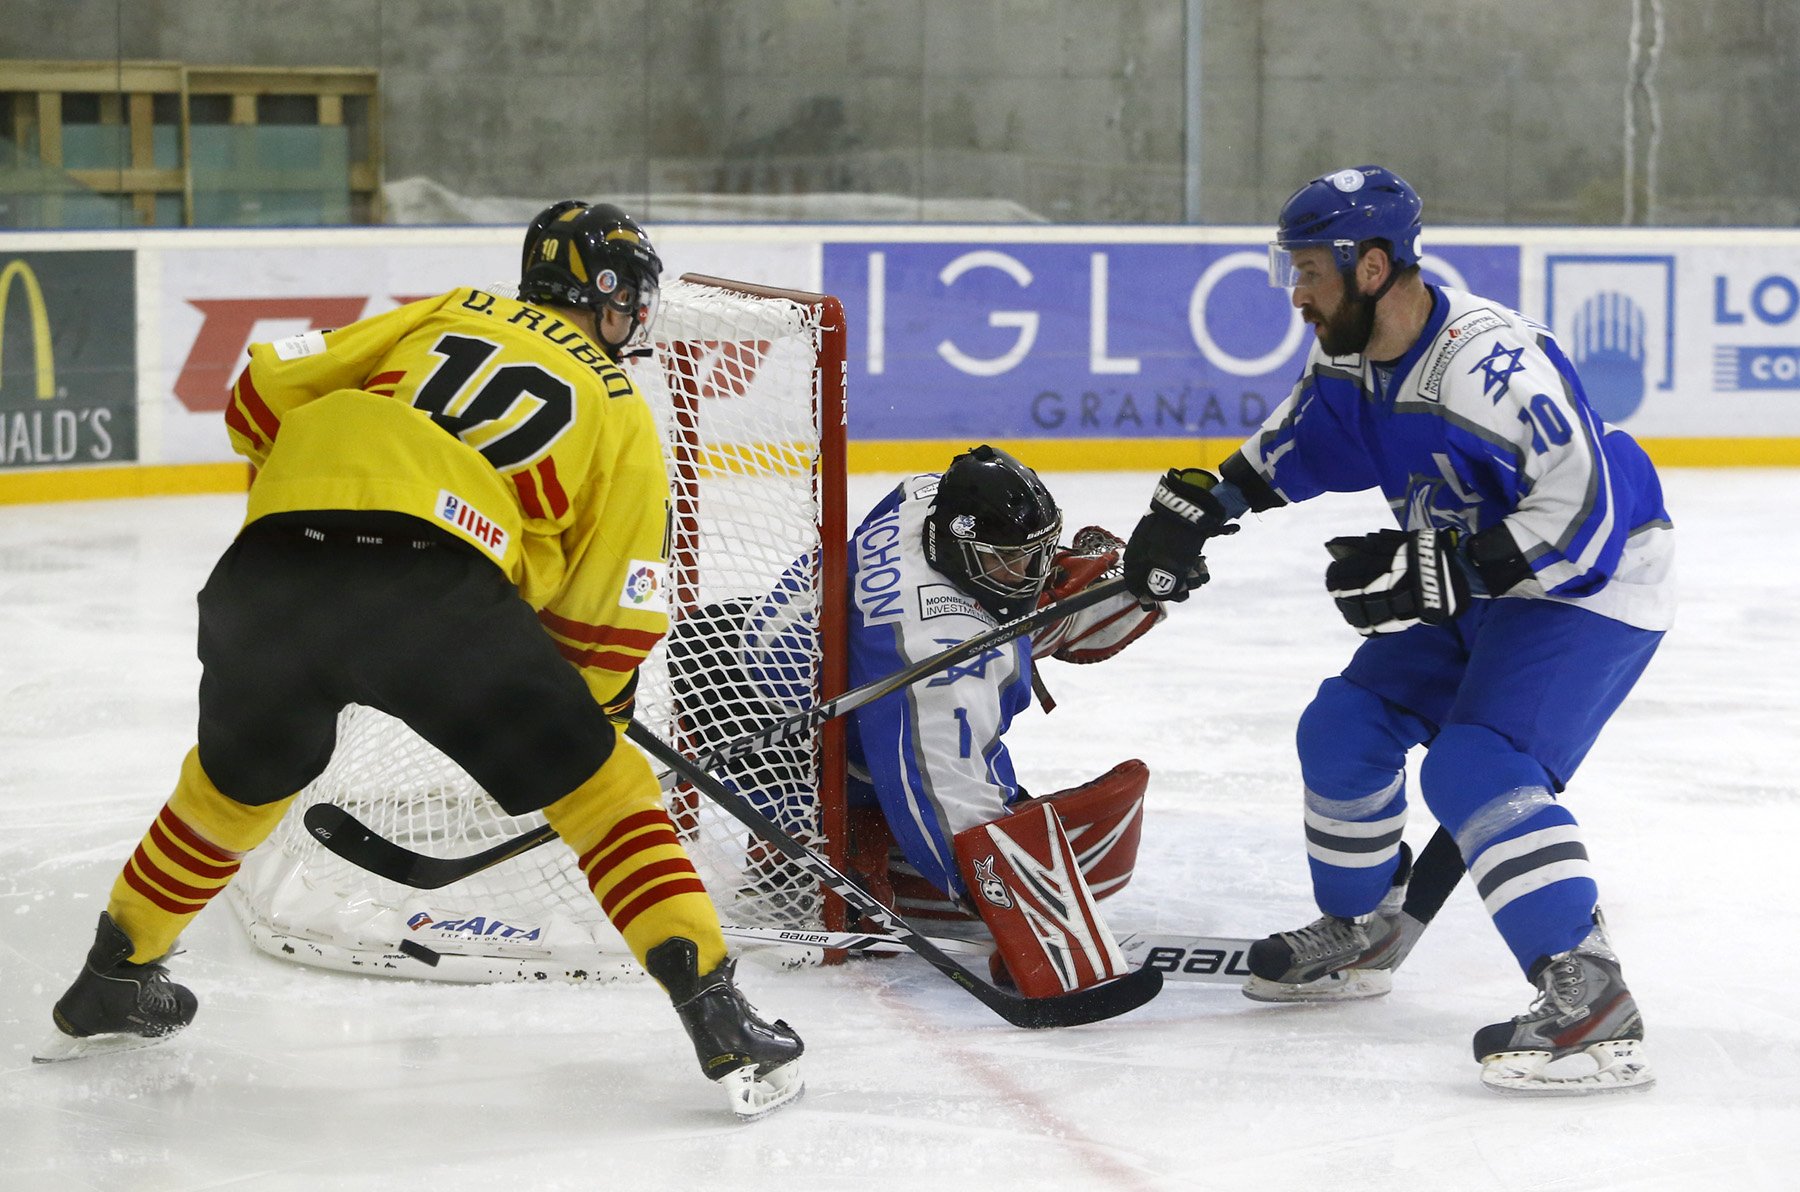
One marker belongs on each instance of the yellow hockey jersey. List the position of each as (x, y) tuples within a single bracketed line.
[(497, 421)]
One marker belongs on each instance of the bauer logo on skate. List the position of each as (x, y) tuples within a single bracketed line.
[(457, 512), (475, 925)]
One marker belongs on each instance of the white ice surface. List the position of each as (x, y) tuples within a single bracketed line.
[(293, 1078)]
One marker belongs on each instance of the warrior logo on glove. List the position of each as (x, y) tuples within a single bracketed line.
[(1394, 579)]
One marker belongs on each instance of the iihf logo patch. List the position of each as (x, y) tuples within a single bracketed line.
[(963, 525), (484, 531), (645, 587)]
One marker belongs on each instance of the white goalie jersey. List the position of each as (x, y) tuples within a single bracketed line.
[(930, 754)]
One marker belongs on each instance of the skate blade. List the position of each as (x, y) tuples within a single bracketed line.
[(1347, 985), (60, 1047), (752, 1096), (1610, 1066)]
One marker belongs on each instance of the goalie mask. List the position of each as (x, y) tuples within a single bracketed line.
[(597, 258), (992, 530)]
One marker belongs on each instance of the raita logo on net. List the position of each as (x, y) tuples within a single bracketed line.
[(475, 926)]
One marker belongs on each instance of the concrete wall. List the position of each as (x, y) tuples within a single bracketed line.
[(1500, 113)]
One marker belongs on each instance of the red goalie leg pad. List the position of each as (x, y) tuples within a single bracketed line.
[(1104, 820), (1023, 878), (867, 855)]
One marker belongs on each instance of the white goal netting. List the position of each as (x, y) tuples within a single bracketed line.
[(746, 385)]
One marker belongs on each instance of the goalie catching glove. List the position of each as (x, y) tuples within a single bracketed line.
[(1394, 579), (1093, 634)]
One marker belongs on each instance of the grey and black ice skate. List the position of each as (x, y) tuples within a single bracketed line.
[(1334, 959), (756, 1062), (115, 1005), (1582, 1008)]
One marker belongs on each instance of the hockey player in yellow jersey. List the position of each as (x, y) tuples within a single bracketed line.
[(459, 516)]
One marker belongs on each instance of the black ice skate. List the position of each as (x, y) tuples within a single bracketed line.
[(756, 1062), (1334, 959), (115, 1005), (1582, 1009)]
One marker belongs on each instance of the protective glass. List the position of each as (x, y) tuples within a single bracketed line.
[(638, 304), (1284, 274)]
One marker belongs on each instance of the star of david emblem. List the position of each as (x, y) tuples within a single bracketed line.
[(1499, 364), (977, 667)]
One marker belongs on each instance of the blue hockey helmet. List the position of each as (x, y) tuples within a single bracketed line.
[(1342, 211)]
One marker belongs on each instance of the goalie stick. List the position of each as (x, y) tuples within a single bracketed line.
[(1200, 959), (343, 834), (1092, 1004)]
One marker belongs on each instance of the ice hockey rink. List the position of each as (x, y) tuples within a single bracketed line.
[(294, 1078)]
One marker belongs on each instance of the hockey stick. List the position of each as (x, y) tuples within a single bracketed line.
[(1207, 959), (1092, 1004), (1435, 873), (344, 835)]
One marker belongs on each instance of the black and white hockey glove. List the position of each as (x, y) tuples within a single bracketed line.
[(1394, 579), (1162, 560)]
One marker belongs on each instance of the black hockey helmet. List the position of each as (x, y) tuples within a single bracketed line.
[(542, 220), (596, 258), (992, 530)]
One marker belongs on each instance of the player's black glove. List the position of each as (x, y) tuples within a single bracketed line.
[(1394, 579), (1162, 560)]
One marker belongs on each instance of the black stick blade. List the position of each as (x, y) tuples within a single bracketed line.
[(1096, 1003), (357, 843)]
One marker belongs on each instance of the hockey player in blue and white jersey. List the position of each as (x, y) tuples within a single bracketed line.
[(940, 825), (1518, 602)]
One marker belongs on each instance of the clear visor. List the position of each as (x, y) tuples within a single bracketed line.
[(1306, 263), (639, 304)]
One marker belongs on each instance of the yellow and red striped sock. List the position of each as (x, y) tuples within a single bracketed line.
[(634, 862), (191, 852)]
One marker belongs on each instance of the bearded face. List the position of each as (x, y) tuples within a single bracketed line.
[(1341, 315), (1345, 331)]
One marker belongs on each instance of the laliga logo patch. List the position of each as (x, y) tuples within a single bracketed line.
[(1347, 180), (963, 525), (992, 888), (644, 587)]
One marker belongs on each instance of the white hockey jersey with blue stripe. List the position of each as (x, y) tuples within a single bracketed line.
[(1484, 420), (930, 753)]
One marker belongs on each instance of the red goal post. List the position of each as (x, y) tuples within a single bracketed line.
[(747, 385)]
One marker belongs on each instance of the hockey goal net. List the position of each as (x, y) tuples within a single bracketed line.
[(747, 386)]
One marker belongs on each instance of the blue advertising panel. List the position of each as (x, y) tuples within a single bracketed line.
[(1072, 340)]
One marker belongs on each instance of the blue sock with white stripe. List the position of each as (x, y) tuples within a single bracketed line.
[(1523, 848)]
